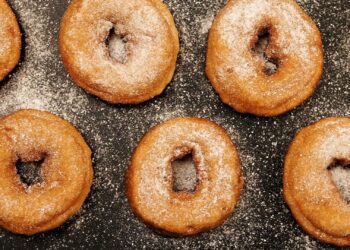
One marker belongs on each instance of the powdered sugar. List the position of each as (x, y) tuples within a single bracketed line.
[(5, 45), (294, 38), (150, 43), (294, 32), (30, 85), (117, 48), (217, 167), (184, 174), (261, 218), (10, 40), (341, 177), (206, 23)]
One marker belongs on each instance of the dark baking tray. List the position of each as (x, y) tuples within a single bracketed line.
[(261, 220)]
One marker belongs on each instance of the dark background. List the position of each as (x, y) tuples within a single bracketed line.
[(261, 220)]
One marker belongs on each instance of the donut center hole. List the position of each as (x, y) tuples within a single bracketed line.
[(340, 172), (30, 172), (116, 44), (184, 174), (260, 47)]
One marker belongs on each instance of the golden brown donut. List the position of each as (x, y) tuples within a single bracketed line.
[(10, 40), (152, 45), (309, 190), (239, 74), (31, 135), (149, 177)]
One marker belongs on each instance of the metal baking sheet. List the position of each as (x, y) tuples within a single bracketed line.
[(261, 219)]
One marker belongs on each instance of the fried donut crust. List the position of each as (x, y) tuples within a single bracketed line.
[(152, 48), (10, 40), (149, 177), (308, 188), (29, 135), (237, 73)]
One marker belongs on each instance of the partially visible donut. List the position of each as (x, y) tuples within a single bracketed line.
[(239, 74), (308, 187), (149, 180), (30, 135), (152, 45), (10, 40)]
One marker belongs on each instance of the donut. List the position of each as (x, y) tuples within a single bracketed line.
[(142, 60), (264, 57), (66, 169), (10, 40), (149, 178), (308, 186)]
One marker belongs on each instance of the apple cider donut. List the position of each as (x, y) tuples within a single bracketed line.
[(10, 40), (309, 188), (66, 170), (136, 64), (149, 179), (264, 57)]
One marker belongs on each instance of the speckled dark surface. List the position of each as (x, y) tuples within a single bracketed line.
[(261, 220)]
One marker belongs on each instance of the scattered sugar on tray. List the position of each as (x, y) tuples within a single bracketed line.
[(164, 115), (21, 91), (206, 23), (189, 94), (30, 85)]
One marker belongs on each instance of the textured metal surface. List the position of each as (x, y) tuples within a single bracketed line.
[(261, 219)]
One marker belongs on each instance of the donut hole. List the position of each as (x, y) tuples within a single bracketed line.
[(340, 173), (184, 174), (116, 44), (261, 44), (30, 171)]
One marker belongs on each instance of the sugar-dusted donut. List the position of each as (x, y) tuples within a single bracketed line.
[(242, 76), (309, 189), (10, 40), (149, 179), (28, 136), (150, 42)]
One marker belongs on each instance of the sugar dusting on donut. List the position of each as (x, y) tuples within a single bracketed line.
[(217, 171), (147, 39), (4, 42), (337, 145), (316, 179), (236, 29), (334, 144), (10, 40)]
